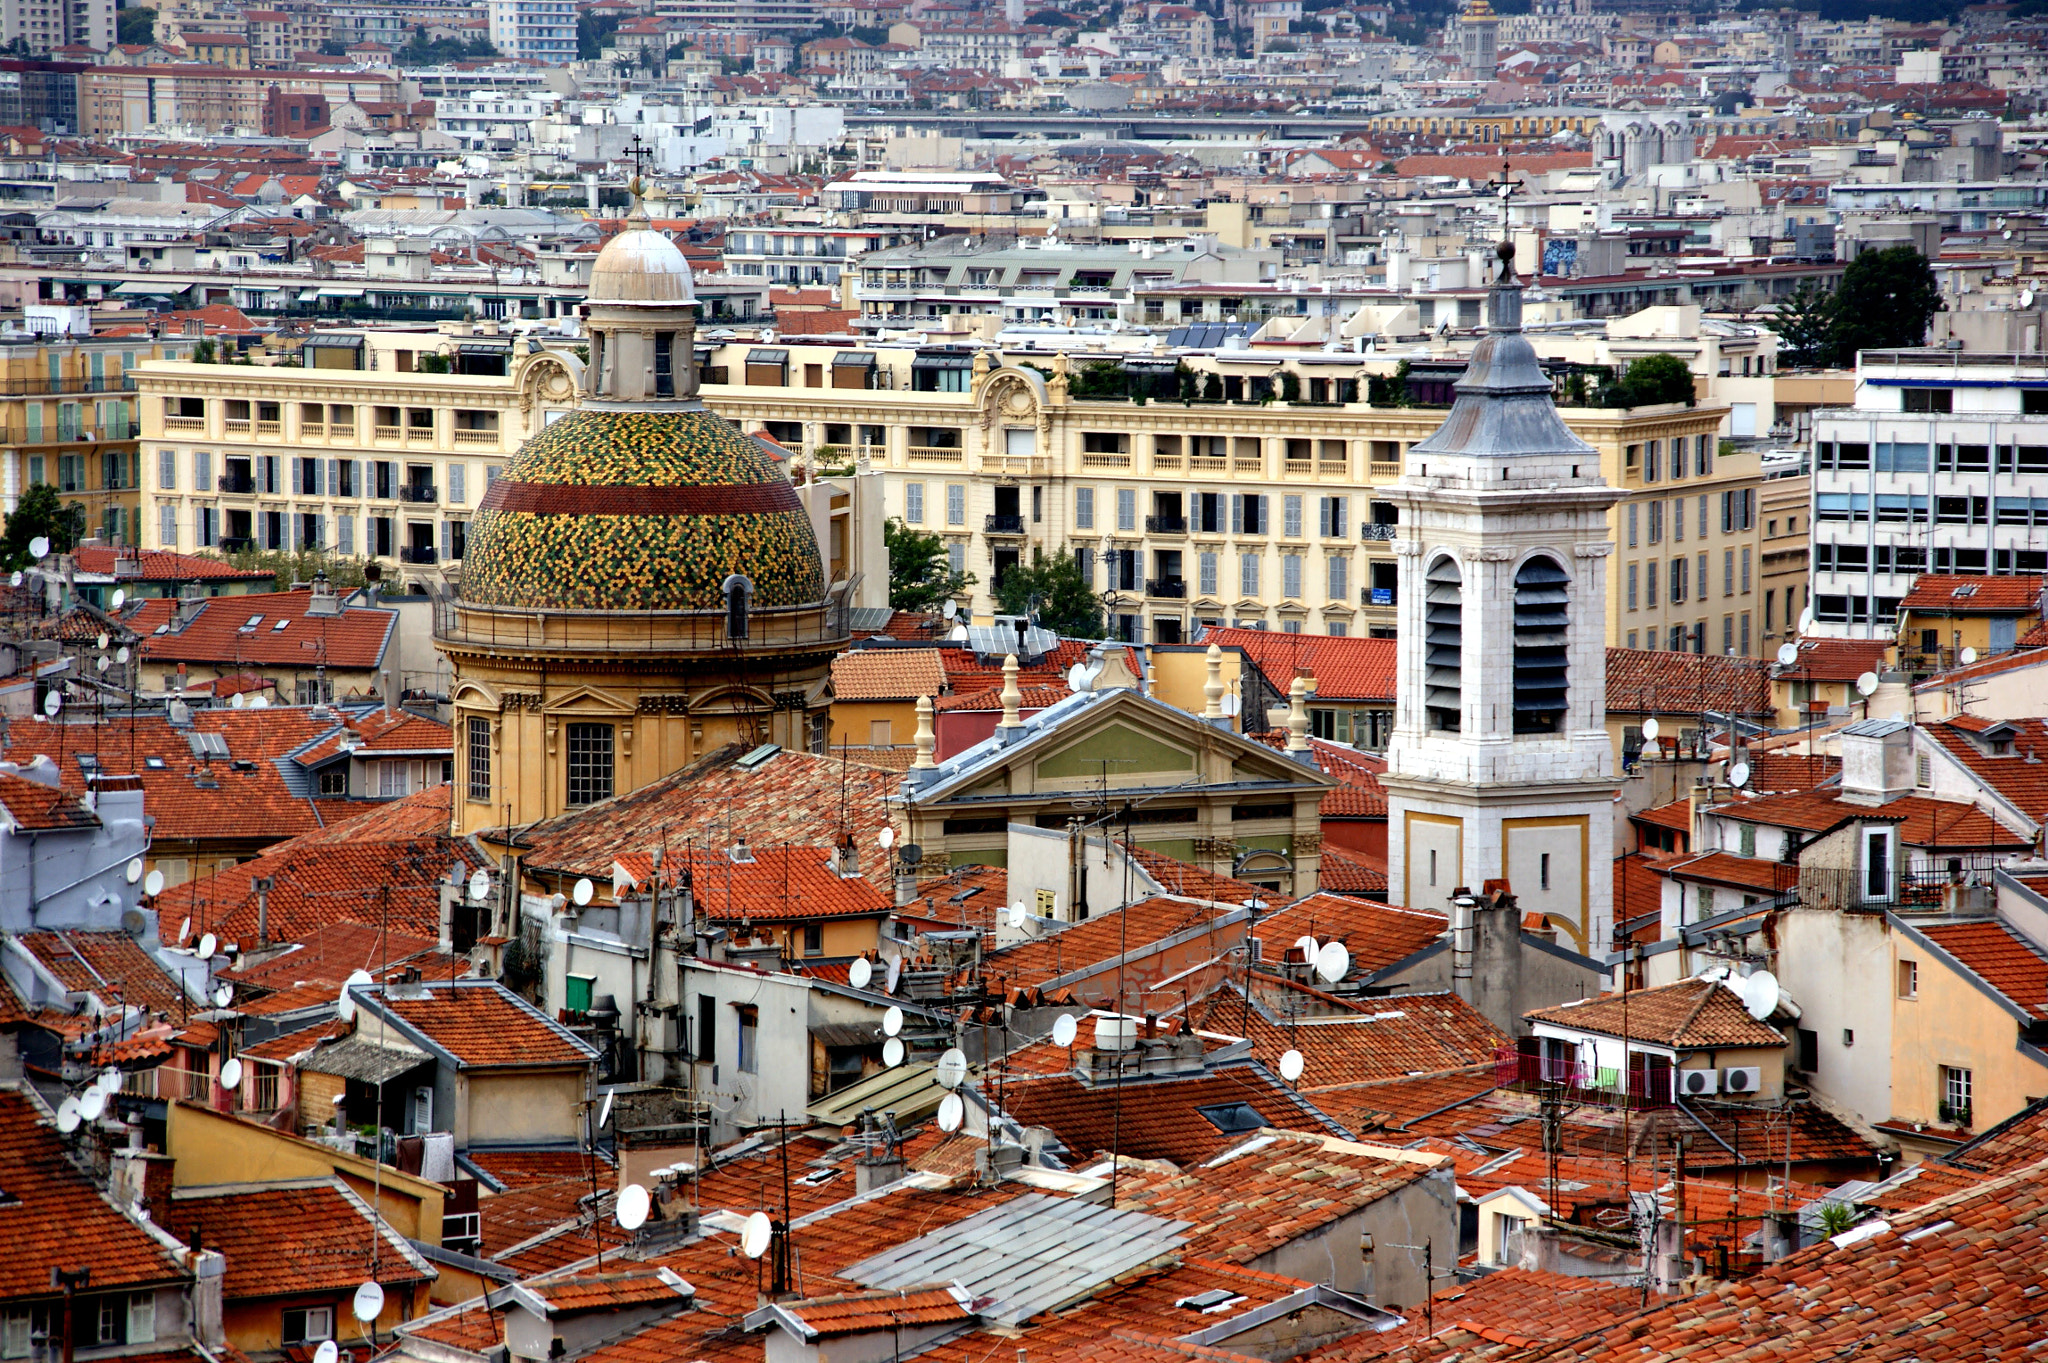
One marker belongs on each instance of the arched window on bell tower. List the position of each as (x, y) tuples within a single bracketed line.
[(1443, 617), (1541, 616)]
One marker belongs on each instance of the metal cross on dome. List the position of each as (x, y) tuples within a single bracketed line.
[(1504, 188), (639, 152)]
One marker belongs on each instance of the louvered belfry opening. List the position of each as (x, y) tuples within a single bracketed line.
[(1443, 644), (1541, 601)]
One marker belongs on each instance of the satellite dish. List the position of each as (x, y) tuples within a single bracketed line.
[(184, 926), (1332, 962), (119, 599), (892, 1021), (369, 1302), (634, 1204), (133, 872), (328, 1352), (1738, 775), (479, 884), (110, 1079), (959, 634), (1967, 656), (951, 1071), (860, 973), (39, 547), (102, 663), (582, 892), (1866, 684), (1806, 620), (231, 1075), (1651, 727), (121, 654), (1761, 993), (1291, 1066), (1307, 945), (887, 838), (67, 1116), (604, 1114), (892, 1052), (1065, 1029), (1016, 914), (224, 995), (1074, 676), (15, 580), (207, 945), (2026, 298), (101, 641), (92, 1103), (52, 703), (238, 701), (895, 974), (1788, 654), (259, 702), (348, 1004), (756, 1235), (950, 609), (952, 1111)]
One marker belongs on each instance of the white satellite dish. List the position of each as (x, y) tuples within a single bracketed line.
[(951, 1071), (119, 599), (1866, 684), (231, 1075), (892, 1021), (892, 1052), (259, 702), (102, 663), (2026, 298), (67, 1116), (15, 580), (950, 609), (895, 974), (92, 1103), (1806, 620), (101, 641), (1651, 727), (1332, 962), (1291, 1066), (1967, 656), (133, 871), (582, 892), (369, 1303), (1738, 775), (110, 1079), (479, 884), (347, 1007), (238, 701), (1788, 654), (207, 945), (1074, 676), (887, 838), (184, 925), (224, 995), (604, 1113), (959, 634), (328, 1352), (634, 1204), (1761, 993), (1065, 1029), (1307, 945), (756, 1235), (1016, 914), (39, 547), (52, 703), (153, 884), (860, 972), (952, 1112)]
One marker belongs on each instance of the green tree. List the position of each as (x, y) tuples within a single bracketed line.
[(1055, 589), (40, 513), (289, 566), (1884, 302), (135, 25), (1212, 388), (1650, 380), (1290, 386), (203, 352), (1805, 323), (920, 571)]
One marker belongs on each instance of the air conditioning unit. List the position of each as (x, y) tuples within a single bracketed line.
[(1697, 1083), (1741, 1079)]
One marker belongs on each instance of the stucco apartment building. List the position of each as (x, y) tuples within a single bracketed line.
[(116, 100)]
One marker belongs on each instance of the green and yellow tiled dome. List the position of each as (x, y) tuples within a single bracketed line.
[(640, 510)]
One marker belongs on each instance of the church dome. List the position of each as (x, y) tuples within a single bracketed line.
[(640, 511), (641, 268)]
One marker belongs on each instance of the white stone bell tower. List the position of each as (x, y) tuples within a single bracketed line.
[(1500, 765)]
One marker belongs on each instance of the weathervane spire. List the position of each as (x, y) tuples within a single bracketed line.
[(639, 152), (1504, 188)]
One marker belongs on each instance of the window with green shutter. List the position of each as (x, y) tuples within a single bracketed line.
[(576, 992)]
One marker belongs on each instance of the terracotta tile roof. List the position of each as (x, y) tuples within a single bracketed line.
[(33, 807), (1639, 890), (965, 671), (330, 952), (1691, 1014), (507, 1220), (1158, 1119), (821, 1173), (164, 565), (2022, 782), (1351, 668), (222, 633), (284, 1240), (1677, 816), (1839, 659), (1188, 881), (1346, 872), (780, 885), (791, 798), (609, 1290), (857, 1313), (479, 1022), (2000, 957), (1727, 868), (1376, 935), (1094, 940), (527, 1168), (470, 1326), (1772, 772), (887, 674), (1359, 794), (2032, 651), (967, 896), (384, 732), (111, 966), (1030, 699), (2013, 1144), (53, 1216), (1643, 681), (1955, 593), (1547, 1307), (1390, 1104), (1923, 822), (1342, 1042)]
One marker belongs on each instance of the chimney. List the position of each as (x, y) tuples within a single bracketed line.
[(1012, 698), (925, 742), (1297, 723), (1212, 691), (209, 1270)]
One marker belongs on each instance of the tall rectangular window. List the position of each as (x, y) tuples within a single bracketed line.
[(1340, 578), (750, 1038), (1703, 513), (590, 763), (956, 504), (1703, 579), (1290, 576), (1744, 646), (956, 558), (1084, 508), (458, 484), (1248, 574), (1127, 508), (202, 471), (1678, 575), (1955, 1095), (1728, 572), (167, 527), (913, 503), (1290, 515), (167, 470), (1633, 507), (1205, 573), (479, 758), (1632, 586), (1334, 516), (1657, 522), (1745, 572)]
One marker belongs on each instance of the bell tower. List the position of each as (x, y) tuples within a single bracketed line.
[(1500, 765)]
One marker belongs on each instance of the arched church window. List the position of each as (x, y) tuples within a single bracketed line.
[(1541, 601), (664, 364), (739, 599), (1443, 616)]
